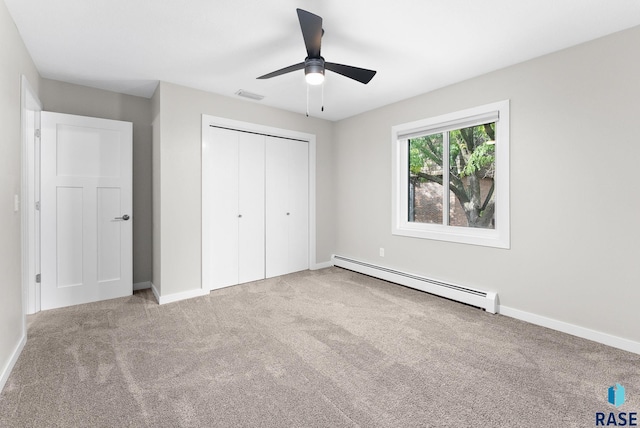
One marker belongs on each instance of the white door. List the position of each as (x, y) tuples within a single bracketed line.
[(250, 207), (86, 201), (299, 206), (219, 208), (287, 202), (232, 207)]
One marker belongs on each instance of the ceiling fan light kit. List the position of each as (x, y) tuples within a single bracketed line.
[(314, 65), (314, 70)]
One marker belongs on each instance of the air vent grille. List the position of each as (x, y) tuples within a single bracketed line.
[(250, 95)]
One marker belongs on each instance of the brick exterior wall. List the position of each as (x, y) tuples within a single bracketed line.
[(428, 204)]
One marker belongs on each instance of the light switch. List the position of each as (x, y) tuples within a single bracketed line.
[(16, 203)]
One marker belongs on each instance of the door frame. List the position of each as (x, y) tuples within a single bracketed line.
[(237, 125), (30, 189)]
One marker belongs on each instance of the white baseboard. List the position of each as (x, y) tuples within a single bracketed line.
[(141, 285), (175, 297), (324, 265), (574, 330), (6, 371)]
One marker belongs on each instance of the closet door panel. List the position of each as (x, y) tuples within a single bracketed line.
[(298, 206), (251, 200), (277, 201), (223, 208), (287, 216)]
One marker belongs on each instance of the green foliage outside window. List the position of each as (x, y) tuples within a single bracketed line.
[(471, 161)]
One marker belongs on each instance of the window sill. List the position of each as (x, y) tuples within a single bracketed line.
[(461, 235)]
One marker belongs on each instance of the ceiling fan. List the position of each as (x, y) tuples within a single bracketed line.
[(314, 65)]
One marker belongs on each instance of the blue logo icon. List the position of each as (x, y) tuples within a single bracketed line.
[(616, 395)]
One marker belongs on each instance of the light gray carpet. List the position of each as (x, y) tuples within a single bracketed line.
[(330, 348)]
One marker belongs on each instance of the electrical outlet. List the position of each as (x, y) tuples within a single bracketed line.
[(381, 252), (16, 203)]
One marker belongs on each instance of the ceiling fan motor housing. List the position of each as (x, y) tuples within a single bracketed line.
[(314, 65)]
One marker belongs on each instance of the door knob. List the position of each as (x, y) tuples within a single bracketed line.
[(124, 217)]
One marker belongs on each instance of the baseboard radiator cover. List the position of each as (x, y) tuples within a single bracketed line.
[(486, 300)]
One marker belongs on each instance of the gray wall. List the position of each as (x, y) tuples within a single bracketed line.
[(81, 100), (181, 111), (574, 193), (14, 62)]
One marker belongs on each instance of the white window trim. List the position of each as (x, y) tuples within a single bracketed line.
[(400, 134)]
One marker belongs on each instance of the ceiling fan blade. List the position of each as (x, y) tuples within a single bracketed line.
[(360, 74), (311, 26), (285, 70)]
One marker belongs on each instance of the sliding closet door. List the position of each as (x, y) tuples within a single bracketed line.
[(287, 206), (250, 207)]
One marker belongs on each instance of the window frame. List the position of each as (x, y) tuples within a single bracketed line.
[(400, 135)]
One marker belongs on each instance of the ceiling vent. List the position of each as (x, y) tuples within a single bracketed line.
[(247, 94)]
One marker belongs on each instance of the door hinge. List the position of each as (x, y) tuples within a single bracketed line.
[(38, 206), (37, 132), (38, 279)]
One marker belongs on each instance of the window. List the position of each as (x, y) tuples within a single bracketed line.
[(451, 177)]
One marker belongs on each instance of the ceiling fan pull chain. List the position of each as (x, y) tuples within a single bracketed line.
[(322, 109), (307, 100)]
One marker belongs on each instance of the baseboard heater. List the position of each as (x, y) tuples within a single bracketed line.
[(486, 300)]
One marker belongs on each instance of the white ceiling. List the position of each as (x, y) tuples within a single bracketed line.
[(221, 46)]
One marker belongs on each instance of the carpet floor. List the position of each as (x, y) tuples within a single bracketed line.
[(328, 348)]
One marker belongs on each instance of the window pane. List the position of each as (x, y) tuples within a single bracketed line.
[(425, 179), (471, 176)]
